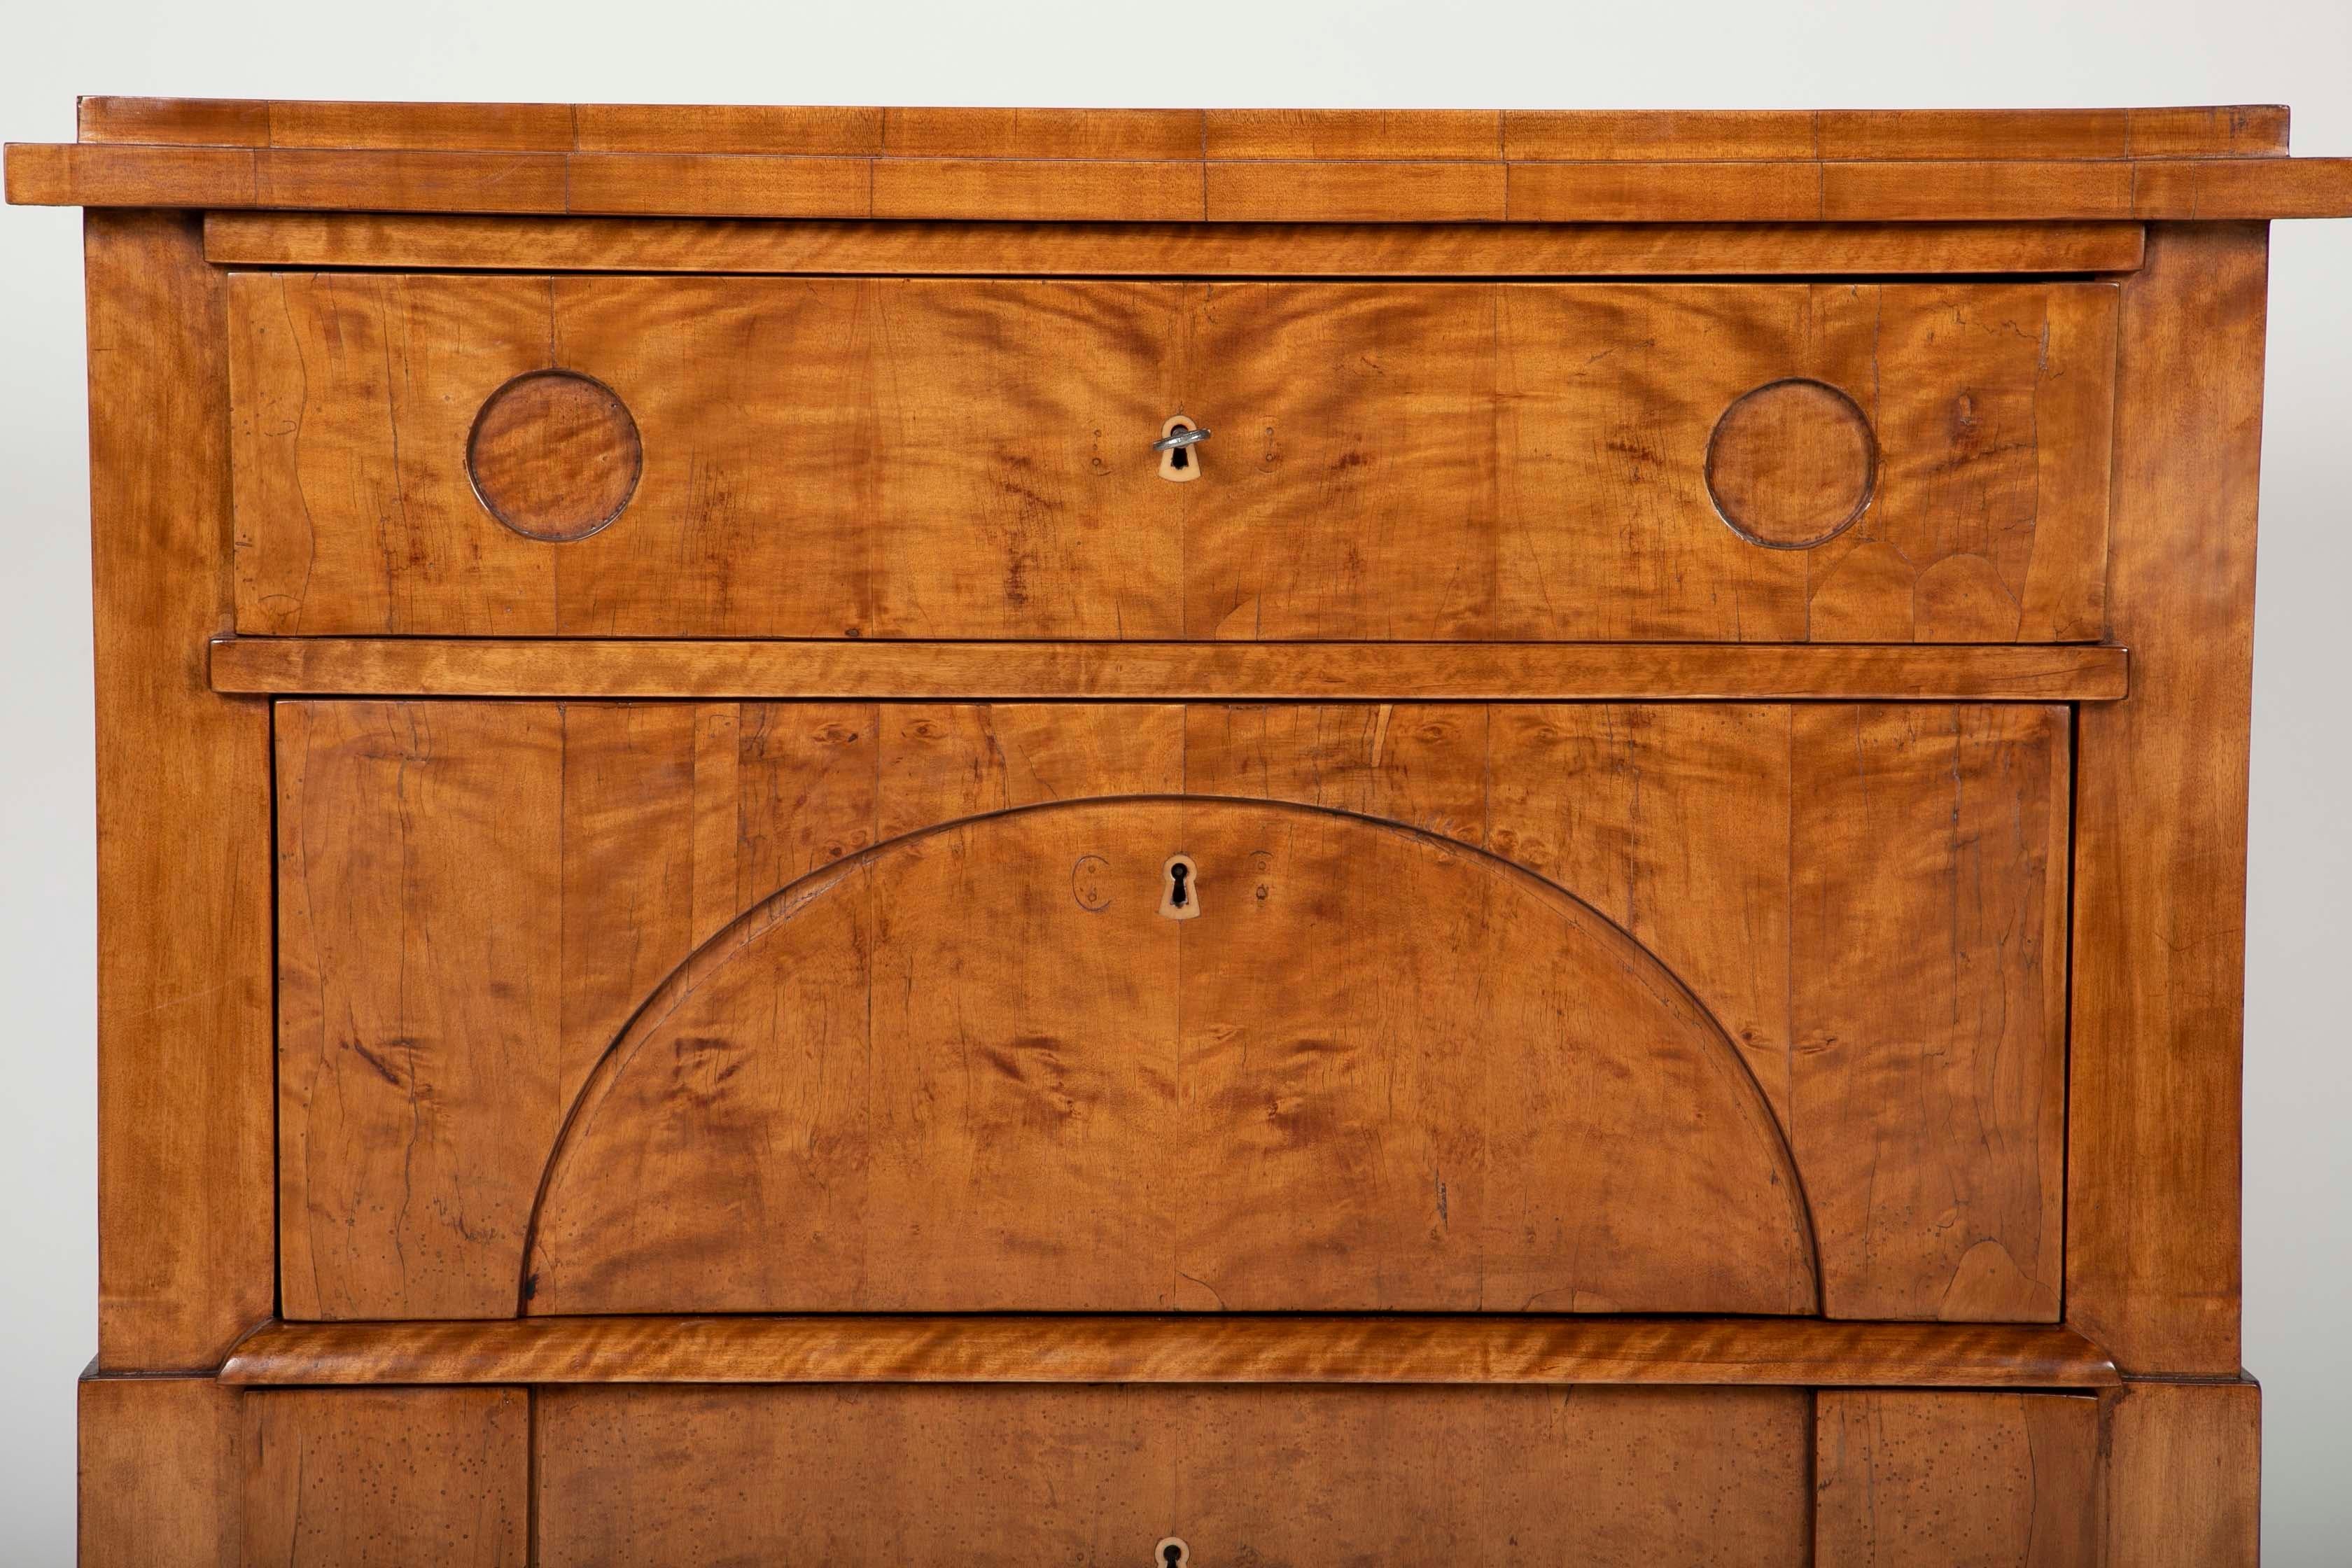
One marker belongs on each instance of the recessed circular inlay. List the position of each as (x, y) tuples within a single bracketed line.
[(554, 455), (1791, 463)]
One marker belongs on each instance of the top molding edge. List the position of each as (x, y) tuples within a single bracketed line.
[(1311, 134), (1185, 166)]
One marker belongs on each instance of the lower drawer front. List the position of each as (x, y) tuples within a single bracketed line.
[(1105, 1475), (932, 1475)]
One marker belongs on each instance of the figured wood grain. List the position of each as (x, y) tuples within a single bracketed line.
[(1010, 1476), (1910, 1480), (677, 817), (1491, 482), (1891, 974), (184, 1253), (1664, 818), (1041, 189), (1271, 1106), (1578, 135), (952, 459), (835, 480), (2152, 1265), (554, 456), (702, 184), (1791, 463), (1356, 193), (1288, 1348), (156, 1470), (748, 186), (385, 1477), (474, 898), (1156, 250), (188, 1470), (409, 981), (1289, 133), (2184, 1474), (427, 667), (1914, 1059)]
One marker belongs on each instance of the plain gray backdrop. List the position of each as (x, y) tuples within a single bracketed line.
[(1695, 54)]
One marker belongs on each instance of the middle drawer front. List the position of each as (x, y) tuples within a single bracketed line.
[(745, 457), (689, 1007)]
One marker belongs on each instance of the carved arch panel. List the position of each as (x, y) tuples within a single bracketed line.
[(990, 1067)]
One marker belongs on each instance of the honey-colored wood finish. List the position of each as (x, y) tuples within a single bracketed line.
[(1429, 166), (554, 456), (1163, 671), (2159, 929), (1285, 1104), (398, 822), (2184, 1474), (1160, 250), (1290, 135), (1913, 1479), (690, 185), (1285, 1348), (960, 459), (1238, 1475), (184, 998), (188, 1471), (386, 1476), (1512, 971), (1909, 820), (158, 1469)]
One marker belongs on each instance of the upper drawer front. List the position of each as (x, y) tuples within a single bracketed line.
[(971, 458)]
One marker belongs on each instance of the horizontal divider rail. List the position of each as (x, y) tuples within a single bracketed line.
[(1202, 1347), (876, 669), (898, 248)]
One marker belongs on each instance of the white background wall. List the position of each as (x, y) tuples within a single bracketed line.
[(1375, 54)]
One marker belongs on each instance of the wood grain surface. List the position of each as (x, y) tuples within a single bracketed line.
[(1164, 672), (183, 1470), (2184, 1476), (971, 458), (1911, 1479), (1289, 135), (1239, 1474), (157, 1472), (1377, 1073), (1416, 166), (2159, 927), (702, 184), (184, 1249), (400, 820), (385, 1478), (1159, 250), (1285, 1348), (1911, 1057)]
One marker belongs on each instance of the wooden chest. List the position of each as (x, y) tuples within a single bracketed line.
[(944, 836)]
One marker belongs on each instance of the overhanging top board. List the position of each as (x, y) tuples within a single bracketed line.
[(1185, 166)]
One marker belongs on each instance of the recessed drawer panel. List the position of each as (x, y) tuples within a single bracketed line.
[(603, 1007), (821, 457), (1123, 1476)]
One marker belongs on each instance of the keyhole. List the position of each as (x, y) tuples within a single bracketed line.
[(1179, 895), (1181, 464), (1174, 1554)]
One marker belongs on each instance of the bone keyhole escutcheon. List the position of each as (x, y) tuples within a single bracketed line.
[(1180, 894), (1171, 1553), (1178, 443)]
